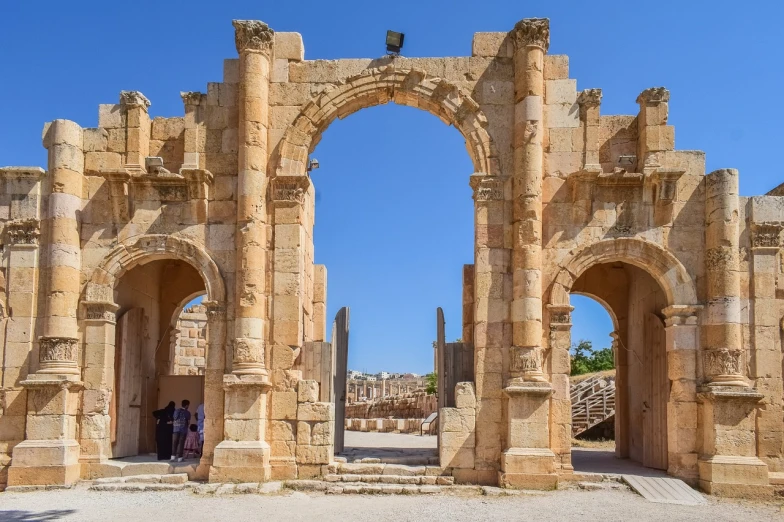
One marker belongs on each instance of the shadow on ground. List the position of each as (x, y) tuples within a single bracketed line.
[(34, 516)]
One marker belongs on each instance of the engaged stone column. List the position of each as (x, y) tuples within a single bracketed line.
[(58, 345), (137, 138), (531, 39), (254, 44), (528, 462), (244, 455), (722, 360)]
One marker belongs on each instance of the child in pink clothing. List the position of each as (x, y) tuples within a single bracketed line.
[(192, 443)]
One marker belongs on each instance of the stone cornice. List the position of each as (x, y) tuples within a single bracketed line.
[(654, 95), (531, 31), (252, 35), (22, 172), (134, 99)]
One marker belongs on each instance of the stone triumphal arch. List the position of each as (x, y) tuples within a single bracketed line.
[(567, 200)]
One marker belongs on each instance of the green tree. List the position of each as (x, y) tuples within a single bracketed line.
[(431, 383), (587, 360)]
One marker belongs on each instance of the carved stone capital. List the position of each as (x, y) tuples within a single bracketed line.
[(653, 96), (248, 357), (590, 98), (134, 99), (531, 31), (289, 189), (666, 182), (58, 355), (191, 97), (23, 231), (766, 235), (560, 316), (723, 367), (681, 315), (215, 309), (526, 363), (252, 35), (487, 188)]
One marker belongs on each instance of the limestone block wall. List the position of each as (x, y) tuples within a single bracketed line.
[(189, 342), (418, 405), (390, 425)]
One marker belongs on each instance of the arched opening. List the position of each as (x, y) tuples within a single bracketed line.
[(638, 389), (146, 377), (393, 267)]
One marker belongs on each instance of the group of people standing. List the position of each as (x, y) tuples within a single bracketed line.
[(175, 436)]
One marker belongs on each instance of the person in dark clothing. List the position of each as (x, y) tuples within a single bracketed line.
[(164, 426)]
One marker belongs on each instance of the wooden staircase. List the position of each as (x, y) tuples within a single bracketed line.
[(593, 402)]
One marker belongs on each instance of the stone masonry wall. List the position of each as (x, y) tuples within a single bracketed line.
[(416, 405), (189, 342)]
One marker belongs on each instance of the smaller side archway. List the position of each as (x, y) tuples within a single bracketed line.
[(99, 307), (643, 321)]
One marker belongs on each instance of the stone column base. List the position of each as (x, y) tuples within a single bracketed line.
[(528, 468), (241, 461), (739, 477), (44, 463)]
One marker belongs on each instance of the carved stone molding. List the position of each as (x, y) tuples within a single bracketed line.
[(22, 172), (58, 355), (198, 181), (666, 183), (134, 99), (531, 31), (766, 235), (252, 35), (487, 188), (654, 95), (102, 312), (289, 189), (191, 97), (590, 98), (560, 316), (681, 315), (23, 232)]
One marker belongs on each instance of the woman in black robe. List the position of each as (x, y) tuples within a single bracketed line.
[(164, 427)]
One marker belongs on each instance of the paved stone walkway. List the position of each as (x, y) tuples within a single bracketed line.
[(360, 445)]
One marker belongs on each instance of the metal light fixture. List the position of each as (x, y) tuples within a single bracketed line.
[(394, 42), (627, 159), (313, 164)]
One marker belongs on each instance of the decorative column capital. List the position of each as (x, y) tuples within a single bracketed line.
[(766, 235), (590, 98), (215, 309), (654, 95), (248, 357), (560, 316), (58, 355), (723, 367), (531, 32), (487, 188), (289, 189), (23, 232), (191, 97), (525, 365), (134, 99), (252, 35)]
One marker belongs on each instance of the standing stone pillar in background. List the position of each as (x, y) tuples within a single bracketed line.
[(244, 455), (728, 463), (49, 454), (528, 461)]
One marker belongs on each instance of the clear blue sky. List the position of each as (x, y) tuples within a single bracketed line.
[(394, 216)]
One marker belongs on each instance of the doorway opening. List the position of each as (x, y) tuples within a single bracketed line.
[(619, 412), (393, 257), (160, 353)]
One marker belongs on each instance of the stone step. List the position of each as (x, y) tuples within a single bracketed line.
[(138, 486), (424, 480), (365, 468), (406, 461), (168, 478), (360, 488)]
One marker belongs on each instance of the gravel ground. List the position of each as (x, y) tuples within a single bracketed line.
[(82, 505)]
